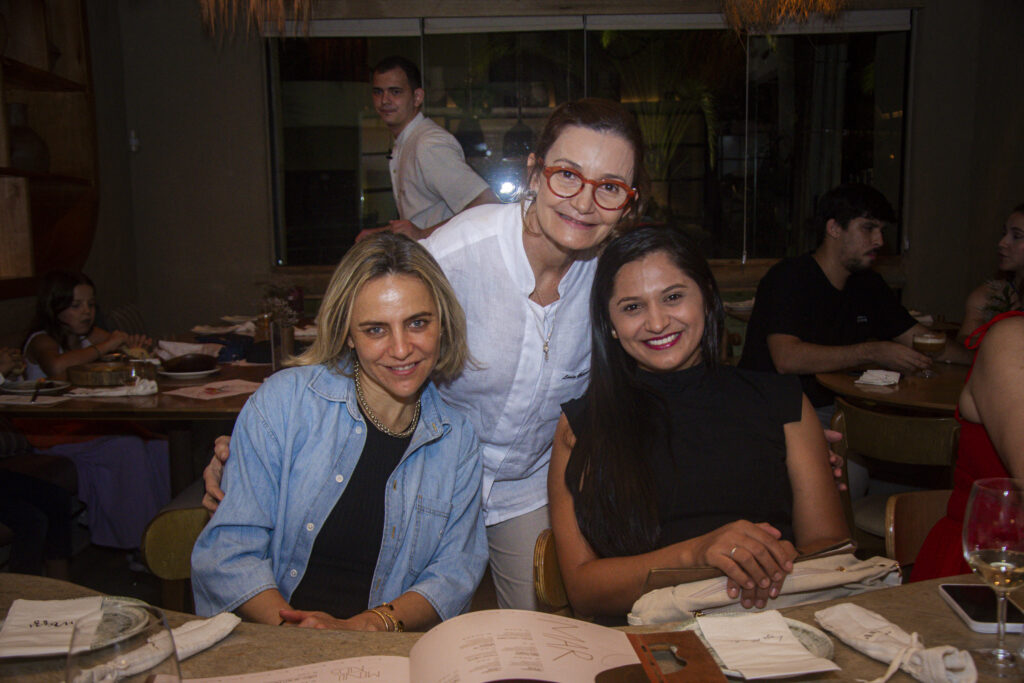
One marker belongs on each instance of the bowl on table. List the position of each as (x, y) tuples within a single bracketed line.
[(189, 365), (110, 373)]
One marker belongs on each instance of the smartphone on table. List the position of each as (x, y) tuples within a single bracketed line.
[(975, 603)]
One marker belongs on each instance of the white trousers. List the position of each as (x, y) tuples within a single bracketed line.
[(510, 546)]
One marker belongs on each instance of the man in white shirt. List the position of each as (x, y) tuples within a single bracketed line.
[(429, 175)]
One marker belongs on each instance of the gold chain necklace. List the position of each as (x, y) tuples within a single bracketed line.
[(361, 397)]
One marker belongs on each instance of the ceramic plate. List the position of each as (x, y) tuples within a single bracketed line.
[(188, 375), (819, 644), (238, 319), (122, 619), (50, 386)]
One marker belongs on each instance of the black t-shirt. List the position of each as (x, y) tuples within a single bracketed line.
[(725, 457), (339, 573), (795, 297)]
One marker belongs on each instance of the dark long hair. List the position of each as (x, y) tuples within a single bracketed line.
[(608, 474), (56, 292)]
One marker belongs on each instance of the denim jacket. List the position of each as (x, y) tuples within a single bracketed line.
[(294, 448)]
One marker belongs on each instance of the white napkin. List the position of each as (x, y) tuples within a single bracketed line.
[(144, 387), (222, 389), (307, 332), (190, 638), (879, 378), (44, 627), (878, 638), (171, 349), (248, 329), (760, 646)]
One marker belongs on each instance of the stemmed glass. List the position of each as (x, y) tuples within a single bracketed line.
[(131, 643), (931, 344), (993, 539)]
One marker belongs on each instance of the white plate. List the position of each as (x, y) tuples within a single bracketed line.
[(815, 640), (122, 619), (238, 319), (28, 386), (189, 375)]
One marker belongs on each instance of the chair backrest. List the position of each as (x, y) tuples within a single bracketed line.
[(169, 537), (908, 519), (547, 577), (911, 440)]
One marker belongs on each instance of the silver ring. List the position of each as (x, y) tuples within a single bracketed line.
[(732, 551)]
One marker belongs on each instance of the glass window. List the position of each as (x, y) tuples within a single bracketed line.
[(743, 134)]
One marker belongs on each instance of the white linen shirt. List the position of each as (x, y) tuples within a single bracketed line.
[(514, 397), (429, 175)]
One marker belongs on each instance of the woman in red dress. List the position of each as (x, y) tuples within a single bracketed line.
[(991, 417)]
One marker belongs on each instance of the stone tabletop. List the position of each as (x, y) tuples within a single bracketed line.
[(255, 647)]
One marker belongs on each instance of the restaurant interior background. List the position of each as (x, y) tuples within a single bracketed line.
[(197, 174)]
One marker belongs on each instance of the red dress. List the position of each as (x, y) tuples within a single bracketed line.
[(942, 553)]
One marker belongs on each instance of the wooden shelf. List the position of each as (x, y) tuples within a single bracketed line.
[(25, 77), (47, 220), (49, 177)]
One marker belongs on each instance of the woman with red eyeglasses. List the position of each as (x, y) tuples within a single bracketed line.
[(522, 273)]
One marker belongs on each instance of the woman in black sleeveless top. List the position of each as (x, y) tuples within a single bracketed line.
[(671, 460)]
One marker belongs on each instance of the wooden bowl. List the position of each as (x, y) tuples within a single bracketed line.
[(99, 374)]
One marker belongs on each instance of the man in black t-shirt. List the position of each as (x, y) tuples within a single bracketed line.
[(827, 310)]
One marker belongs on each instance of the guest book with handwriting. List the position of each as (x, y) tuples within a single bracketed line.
[(478, 647)]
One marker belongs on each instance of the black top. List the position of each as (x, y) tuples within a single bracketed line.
[(795, 297), (340, 568), (725, 458)]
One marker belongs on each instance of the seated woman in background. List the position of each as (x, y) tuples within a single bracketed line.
[(1002, 293), (991, 437), (671, 459), (352, 489), (63, 333), (123, 478)]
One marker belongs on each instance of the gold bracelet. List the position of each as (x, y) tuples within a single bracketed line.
[(398, 623), (388, 622)]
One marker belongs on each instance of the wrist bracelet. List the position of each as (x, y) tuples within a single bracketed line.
[(388, 621), (396, 623)]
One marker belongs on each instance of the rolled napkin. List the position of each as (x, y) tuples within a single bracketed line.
[(879, 378), (822, 578), (144, 387), (880, 639), (190, 638)]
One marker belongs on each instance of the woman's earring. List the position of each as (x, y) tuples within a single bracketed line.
[(530, 195), (615, 335)]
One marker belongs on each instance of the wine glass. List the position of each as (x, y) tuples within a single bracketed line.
[(931, 344), (132, 642), (993, 539)]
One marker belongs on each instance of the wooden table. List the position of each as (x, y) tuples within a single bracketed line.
[(937, 395), (254, 647), (178, 416)]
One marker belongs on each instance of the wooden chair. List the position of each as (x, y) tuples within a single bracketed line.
[(924, 447), (908, 519), (547, 577), (167, 545)]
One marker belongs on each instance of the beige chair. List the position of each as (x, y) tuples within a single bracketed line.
[(167, 545), (924, 447), (908, 519), (547, 577)]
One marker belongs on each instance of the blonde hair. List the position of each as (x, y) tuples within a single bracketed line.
[(385, 254)]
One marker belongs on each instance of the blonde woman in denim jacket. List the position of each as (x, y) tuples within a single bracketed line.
[(353, 501)]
